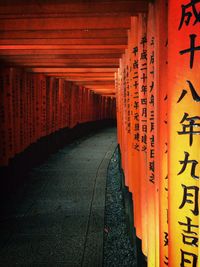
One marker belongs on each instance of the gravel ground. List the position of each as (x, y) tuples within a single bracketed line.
[(118, 251)]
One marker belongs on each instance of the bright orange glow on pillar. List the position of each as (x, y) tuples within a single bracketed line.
[(151, 181), (142, 86), (162, 149), (184, 132), (134, 95)]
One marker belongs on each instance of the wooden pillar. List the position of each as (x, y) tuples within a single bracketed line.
[(184, 132)]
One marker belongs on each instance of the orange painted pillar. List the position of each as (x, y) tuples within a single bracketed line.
[(184, 132), (135, 124), (151, 182), (142, 89), (161, 166)]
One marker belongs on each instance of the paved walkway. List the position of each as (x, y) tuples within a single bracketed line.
[(58, 218)]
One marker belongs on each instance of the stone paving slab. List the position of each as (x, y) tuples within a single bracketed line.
[(57, 218)]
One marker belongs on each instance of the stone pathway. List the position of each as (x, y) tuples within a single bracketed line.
[(58, 217)]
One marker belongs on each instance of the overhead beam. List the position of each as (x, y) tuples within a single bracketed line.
[(64, 60), (64, 34), (98, 79), (100, 87), (17, 52), (81, 75), (87, 56), (59, 65), (10, 7), (59, 47), (115, 22), (66, 42), (66, 70)]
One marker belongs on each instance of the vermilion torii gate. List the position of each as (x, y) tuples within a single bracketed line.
[(65, 62)]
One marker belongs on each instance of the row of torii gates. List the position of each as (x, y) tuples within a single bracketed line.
[(69, 62)]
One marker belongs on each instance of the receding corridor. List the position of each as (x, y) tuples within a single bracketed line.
[(57, 218)]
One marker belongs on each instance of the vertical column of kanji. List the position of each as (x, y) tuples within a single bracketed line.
[(161, 72), (184, 132), (134, 87), (125, 114), (118, 111), (123, 140), (142, 89), (128, 113), (119, 108), (151, 183)]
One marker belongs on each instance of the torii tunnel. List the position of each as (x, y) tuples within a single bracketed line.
[(69, 63)]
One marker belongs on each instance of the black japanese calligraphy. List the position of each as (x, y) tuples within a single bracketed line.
[(185, 162), (191, 50), (187, 15), (191, 197), (195, 96), (191, 126), (188, 258)]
